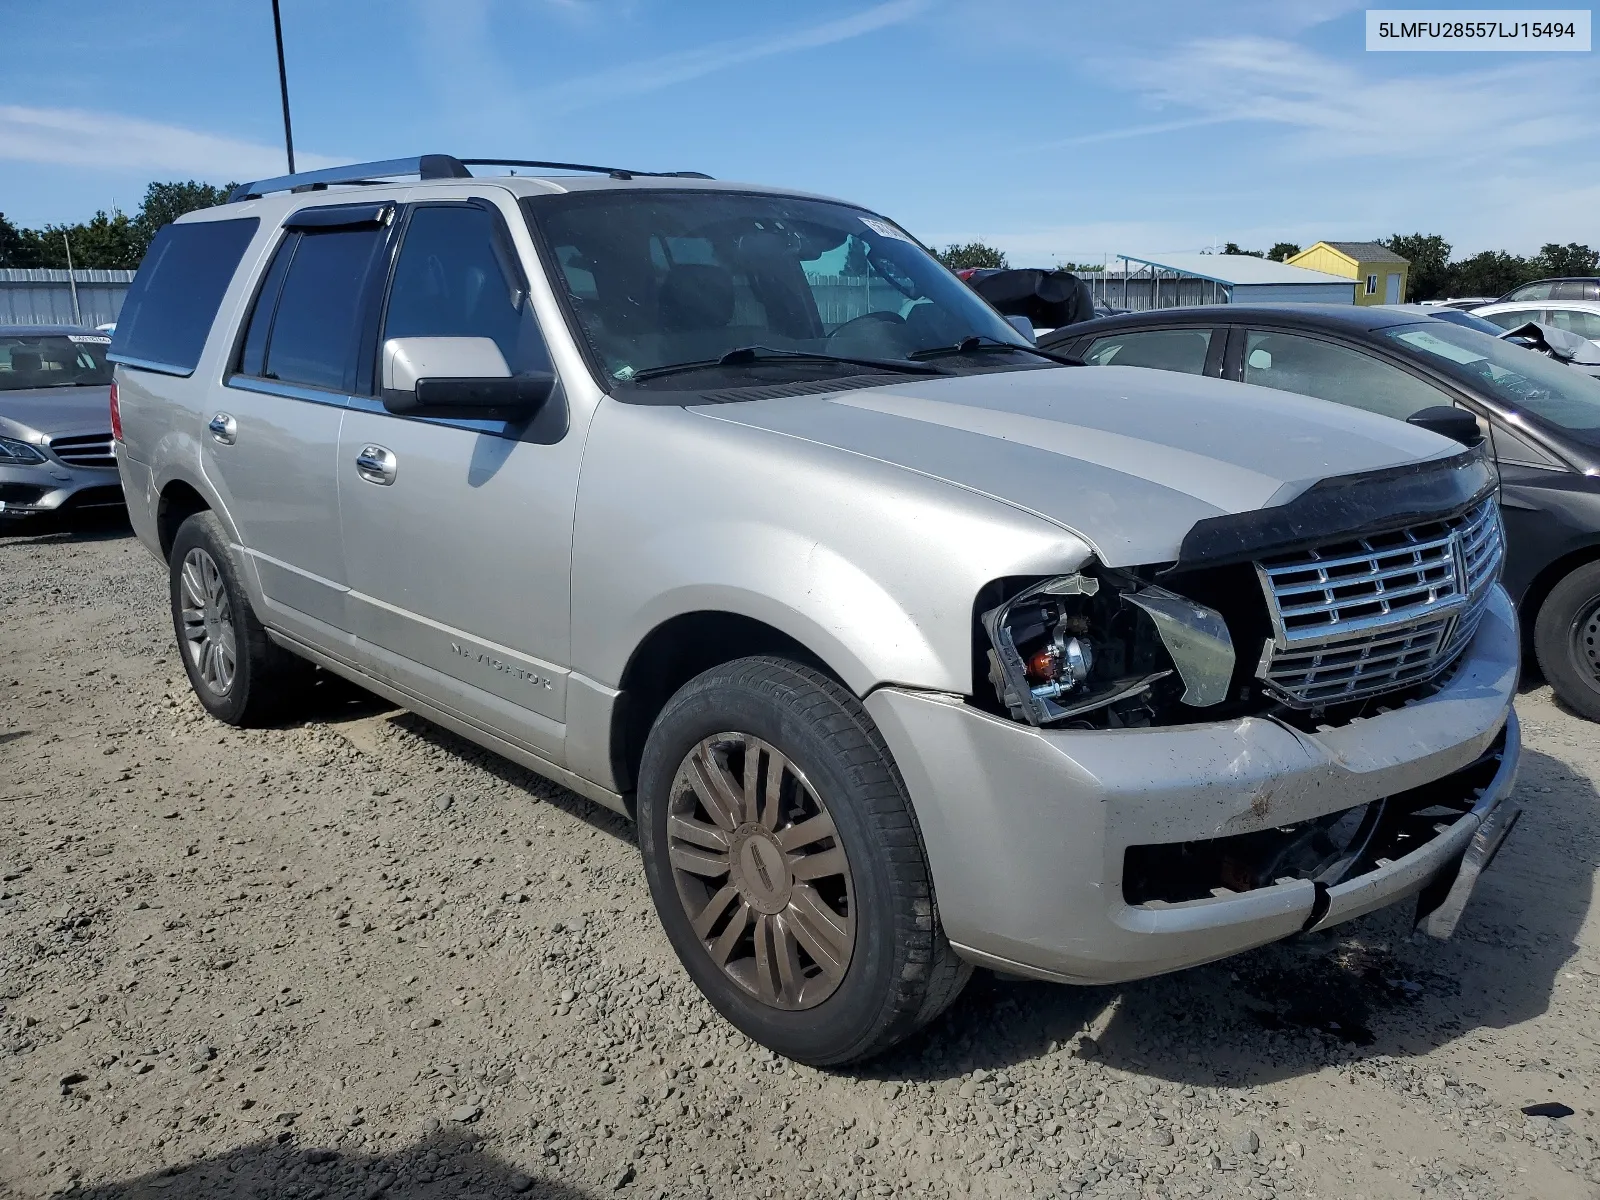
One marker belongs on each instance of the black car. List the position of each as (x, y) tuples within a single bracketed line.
[(1541, 417), (1582, 287)]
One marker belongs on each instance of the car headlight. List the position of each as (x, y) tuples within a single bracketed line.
[(14, 453), (1074, 644)]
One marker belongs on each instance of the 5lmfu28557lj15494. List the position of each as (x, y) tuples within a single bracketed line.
[(909, 646)]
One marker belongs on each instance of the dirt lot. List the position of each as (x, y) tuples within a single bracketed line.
[(356, 956)]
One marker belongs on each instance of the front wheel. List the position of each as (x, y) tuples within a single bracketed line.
[(786, 865), (1566, 640)]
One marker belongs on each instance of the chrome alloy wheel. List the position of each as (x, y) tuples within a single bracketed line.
[(1586, 641), (761, 871), (208, 633)]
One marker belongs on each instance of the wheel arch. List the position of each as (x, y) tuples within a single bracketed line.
[(1552, 573), (674, 652), (177, 501)]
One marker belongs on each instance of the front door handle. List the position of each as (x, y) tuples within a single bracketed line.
[(224, 429), (375, 464)]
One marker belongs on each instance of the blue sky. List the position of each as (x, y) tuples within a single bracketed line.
[(1055, 130)]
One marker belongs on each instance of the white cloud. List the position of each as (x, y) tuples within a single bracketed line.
[(1369, 110), (75, 137), (649, 75)]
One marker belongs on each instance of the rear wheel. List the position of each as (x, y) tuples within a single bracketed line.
[(239, 675), (1566, 640), (786, 865)]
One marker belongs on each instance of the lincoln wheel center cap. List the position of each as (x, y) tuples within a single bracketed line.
[(764, 879)]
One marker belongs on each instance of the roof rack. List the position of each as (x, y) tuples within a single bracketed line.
[(425, 166)]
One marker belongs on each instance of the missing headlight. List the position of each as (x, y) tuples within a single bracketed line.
[(1075, 644)]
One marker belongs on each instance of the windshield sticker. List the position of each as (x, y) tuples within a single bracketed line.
[(885, 229), (1423, 340), (94, 339)]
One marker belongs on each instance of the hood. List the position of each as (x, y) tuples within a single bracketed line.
[(56, 412), (1126, 457)]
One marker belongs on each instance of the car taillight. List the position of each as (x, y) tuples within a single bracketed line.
[(116, 414)]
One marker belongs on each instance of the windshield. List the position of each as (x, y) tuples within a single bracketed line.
[(661, 278), (1522, 380), (53, 360)]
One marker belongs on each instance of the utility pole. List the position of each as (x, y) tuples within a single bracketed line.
[(72, 280), (283, 85)]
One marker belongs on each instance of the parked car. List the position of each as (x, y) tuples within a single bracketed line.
[(1579, 287), (55, 435), (1542, 419), (907, 647), (1581, 317)]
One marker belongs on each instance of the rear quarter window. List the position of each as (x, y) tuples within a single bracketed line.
[(168, 312)]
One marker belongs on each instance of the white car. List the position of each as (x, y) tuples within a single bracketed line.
[(1581, 317)]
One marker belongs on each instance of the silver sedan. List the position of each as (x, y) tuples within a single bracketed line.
[(55, 421)]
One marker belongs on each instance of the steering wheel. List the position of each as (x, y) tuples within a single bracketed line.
[(882, 317)]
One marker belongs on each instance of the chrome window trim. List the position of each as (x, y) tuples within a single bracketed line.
[(147, 364), (289, 391)]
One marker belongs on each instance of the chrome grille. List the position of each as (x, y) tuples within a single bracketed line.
[(93, 450), (1378, 613)]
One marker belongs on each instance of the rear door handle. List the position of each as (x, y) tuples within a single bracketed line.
[(376, 464), (224, 429)]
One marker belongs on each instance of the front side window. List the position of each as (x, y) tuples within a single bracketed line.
[(1567, 289), (1521, 380), (457, 277), (1313, 367), (53, 360), (1182, 350), (306, 324), (1513, 317), (661, 278)]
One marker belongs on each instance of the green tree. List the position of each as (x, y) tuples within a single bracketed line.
[(102, 241), (17, 246), (164, 203), (1490, 273), (1233, 248), (1571, 259), (1429, 255), (973, 254), (1282, 251)]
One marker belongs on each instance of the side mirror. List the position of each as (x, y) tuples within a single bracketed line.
[(464, 377), (1023, 326), (1448, 421)]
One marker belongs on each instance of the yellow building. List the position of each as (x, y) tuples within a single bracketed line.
[(1379, 272)]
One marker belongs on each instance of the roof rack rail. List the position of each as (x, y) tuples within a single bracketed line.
[(614, 172), (424, 166)]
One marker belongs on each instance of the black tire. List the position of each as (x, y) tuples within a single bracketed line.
[(264, 676), (901, 971), (1566, 640)]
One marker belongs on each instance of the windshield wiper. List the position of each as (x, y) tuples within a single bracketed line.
[(748, 355), (984, 344)]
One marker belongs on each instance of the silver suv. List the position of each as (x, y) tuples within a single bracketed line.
[(909, 647)]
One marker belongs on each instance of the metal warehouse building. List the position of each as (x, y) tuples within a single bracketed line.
[(44, 296), (1184, 279)]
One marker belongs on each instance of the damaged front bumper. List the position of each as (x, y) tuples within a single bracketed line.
[(1029, 831)]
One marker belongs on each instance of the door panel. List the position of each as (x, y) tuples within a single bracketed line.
[(459, 552), (460, 565), (274, 431), (279, 476)]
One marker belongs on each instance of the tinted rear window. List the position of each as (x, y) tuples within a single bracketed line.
[(316, 330), (175, 296)]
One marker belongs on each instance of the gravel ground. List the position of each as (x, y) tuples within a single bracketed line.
[(356, 956)]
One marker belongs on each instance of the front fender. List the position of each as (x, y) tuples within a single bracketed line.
[(873, 568)]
